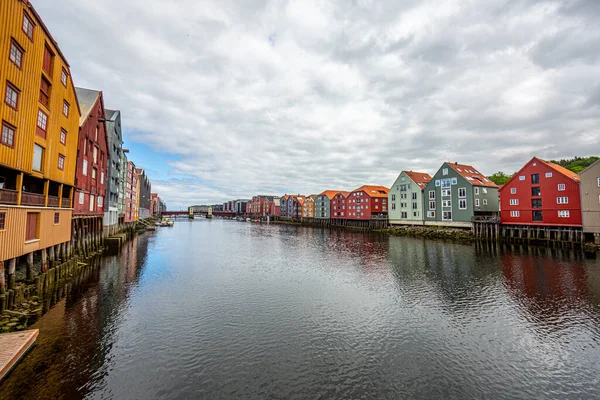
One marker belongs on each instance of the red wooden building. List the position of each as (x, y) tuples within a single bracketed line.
[(367, 201), (541, 193), (92, 154), (338, 207), (90, 173)]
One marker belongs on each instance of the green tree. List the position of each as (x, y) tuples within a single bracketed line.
[(576, 164), (500, 178)]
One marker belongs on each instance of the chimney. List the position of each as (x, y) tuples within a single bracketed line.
[(455, 162)]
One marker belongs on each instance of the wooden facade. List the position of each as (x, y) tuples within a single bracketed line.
[(366, 202), (590, 201), (39, 116)]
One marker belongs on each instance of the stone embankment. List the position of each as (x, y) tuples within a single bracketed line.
[(431, 232)]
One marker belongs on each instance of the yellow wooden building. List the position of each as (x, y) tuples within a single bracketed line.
[(39, 114), (308, 207)]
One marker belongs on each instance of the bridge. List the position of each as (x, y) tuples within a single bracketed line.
[(185, 213)]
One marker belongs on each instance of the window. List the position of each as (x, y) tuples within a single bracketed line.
[(100, 201), (66, 108), (404, 215), (430, 214), (535, 191), (476, 202), (454, 181), (432, 205), (42, 123), (476, 190), (445, 171), (81, 197), (38, 157), (63, 77), (446, 193), (393, 206), (31, 229), (63, 136), (92, 199), (446, 203), (45, 92), (562, 200), (548, 174), (376, 200), (561, 187), (94, 172), (514, 214), (514, 202), (61, 162), (28, 26), (447, 215), (535, 178), (598, 182), (8, 135), (485, 202), (414, 196), (85, 167), (56, 218), (563, 214), (462, 204), (522, 177), (414, 206), (432, 195), (513, 190), (537, 216), (437, 182), (445, 183), (2, 220), (102, 179), (11, 97), (393, 197), (16, 54), (47, 61), (484, 190)]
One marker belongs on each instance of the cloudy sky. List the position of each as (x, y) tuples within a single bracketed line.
[(226, 99)]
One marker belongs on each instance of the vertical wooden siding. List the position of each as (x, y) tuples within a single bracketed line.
[(12, 238), (590, 198), (27, 79)]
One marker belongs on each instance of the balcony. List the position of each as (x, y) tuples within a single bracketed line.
[(8, 196), (53, 201), (66, 203), (32, 199)]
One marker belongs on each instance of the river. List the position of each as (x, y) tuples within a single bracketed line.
[(222, 309)]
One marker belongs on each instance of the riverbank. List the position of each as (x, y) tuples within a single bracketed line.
[(27, 300)]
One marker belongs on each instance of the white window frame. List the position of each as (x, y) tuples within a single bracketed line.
[(462, 193), (476, 202), (513, 190), (561, 187), (432, 202), (81, 198), (431, 214), (562, 200), (445, 171), (85, 167), (514, 202), (462, 204), (515, 213), (476, 190), (485, 202), (447, 203), (522, 177), (548, 174), (564, 214), (430, 195)]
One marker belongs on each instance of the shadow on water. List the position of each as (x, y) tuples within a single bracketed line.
[(69, 355)]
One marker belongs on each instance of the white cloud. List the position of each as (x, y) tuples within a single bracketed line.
[(302, 96)]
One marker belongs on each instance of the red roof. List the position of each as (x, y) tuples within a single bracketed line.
[(420, 178), (343, 193), (329, 193), (473, 176), (373, 190), (561, 169)]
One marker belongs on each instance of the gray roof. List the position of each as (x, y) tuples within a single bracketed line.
[(111, 114), (87, 99)]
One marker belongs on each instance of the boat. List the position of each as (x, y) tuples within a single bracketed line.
[(248, 220), (167, 222)]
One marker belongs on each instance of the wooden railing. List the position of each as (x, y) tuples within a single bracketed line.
[(53, 201), (32, 199), (66, 202), (486, 218), (8, 196)]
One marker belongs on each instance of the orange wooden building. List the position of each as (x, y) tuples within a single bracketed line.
[(39, 116)]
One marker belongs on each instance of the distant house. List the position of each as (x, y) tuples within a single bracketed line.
[(457, 193), (541, 193), (276, 206), (590, 201), (284, 206), (260, 206), (114, 170), (338, 206), (367, 201), (308, 207), (405, 198), (323, 204)]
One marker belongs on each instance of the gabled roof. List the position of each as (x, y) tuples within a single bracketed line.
[(111, 114), (473, 176), (329, 193), (313, 196), (343, 193), (561, 169), (420, 178), (87, 98), (373, 190)]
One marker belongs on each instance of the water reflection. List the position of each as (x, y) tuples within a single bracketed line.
[(74, 341), (220, 309)]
